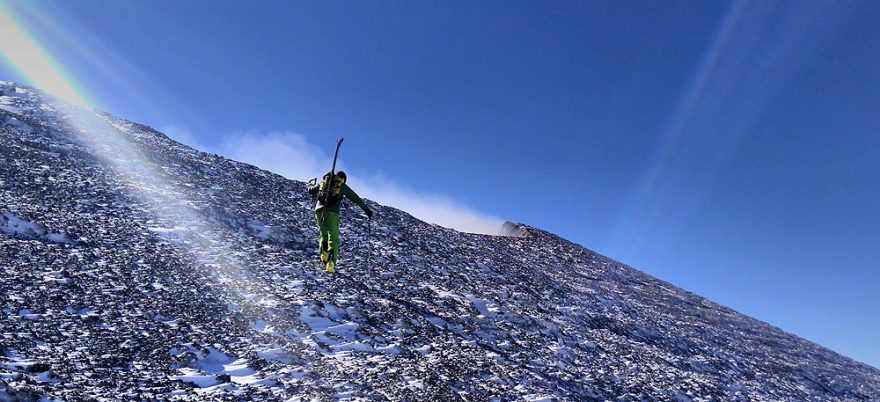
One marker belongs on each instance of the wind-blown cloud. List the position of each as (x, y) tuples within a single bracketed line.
[(283, 152), (293, 156), (435, 208)]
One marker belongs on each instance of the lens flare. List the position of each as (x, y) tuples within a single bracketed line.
[(113, 141), (20, 50)]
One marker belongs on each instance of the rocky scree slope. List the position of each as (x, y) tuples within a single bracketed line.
[(134, 267)]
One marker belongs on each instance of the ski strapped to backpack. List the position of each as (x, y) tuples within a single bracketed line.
[(329, 179)]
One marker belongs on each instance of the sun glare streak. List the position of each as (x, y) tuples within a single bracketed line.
[(21, 51), (640, 207), (757, 51), (176, 216), (92, 53), (173, 211)]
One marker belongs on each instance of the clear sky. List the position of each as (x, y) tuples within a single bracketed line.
[(731, 148)]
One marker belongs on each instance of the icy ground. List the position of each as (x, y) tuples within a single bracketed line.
[(133, 267)]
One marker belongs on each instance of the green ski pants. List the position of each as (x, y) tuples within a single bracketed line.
[(329, 232)]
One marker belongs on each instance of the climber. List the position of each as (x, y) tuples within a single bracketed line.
[(330, 192)]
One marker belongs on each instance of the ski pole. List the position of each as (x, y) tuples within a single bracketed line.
[(313, 182), (369, 245)]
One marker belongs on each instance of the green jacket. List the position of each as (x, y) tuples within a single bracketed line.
[(345, 192)]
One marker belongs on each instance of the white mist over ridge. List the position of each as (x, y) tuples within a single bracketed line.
[(293, 156)]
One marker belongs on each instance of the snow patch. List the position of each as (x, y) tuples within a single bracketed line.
[(485, 307), (16, 226), (176, 234), (214, 367), (332, 335), (59, 238), (5, 106), (19, 365), (56, 277), (262, 231), (196, 377), (26, 313), (276, 355)]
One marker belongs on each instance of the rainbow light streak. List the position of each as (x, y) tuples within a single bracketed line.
[(116, 145), (20, 50)]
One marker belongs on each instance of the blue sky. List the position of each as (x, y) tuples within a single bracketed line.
[(731, 148)]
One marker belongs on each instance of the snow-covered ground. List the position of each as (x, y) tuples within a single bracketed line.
[(134, 267)]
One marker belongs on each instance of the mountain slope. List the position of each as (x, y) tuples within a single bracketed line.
[(138, 268)]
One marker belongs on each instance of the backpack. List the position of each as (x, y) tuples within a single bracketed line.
[(330, 193)]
